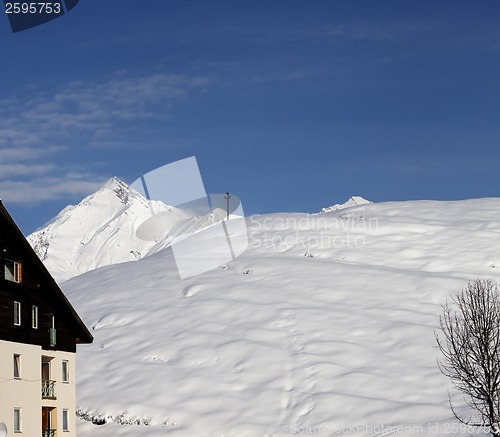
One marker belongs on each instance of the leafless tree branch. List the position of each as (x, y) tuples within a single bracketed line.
[(470, 347)]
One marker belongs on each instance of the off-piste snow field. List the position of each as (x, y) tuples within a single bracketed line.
[(324, 326)]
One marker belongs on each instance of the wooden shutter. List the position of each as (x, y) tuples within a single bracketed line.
[(19, 268)]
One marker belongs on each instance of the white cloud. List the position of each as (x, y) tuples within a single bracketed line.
[(9, 170), (37, 190), (13, 155)]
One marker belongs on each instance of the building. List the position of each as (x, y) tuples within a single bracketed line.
[(39, 331)]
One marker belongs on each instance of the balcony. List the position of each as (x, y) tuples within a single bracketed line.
[(49, 433), (48, 390)]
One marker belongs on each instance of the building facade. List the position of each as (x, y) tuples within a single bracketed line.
[(39, 331)]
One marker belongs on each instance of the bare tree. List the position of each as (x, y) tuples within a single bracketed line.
[(470, 325)]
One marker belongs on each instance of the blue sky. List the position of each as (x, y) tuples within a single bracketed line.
[(293, 105)]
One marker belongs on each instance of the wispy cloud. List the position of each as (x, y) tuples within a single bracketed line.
[(92, 108), (13, 155), (333, 33), (30, 175), (428, 33), (38, 134), (45, 188), (8, 170)]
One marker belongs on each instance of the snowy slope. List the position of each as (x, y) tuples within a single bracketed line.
[(324, 326)]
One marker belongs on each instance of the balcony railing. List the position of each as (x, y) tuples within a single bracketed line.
[(48, 390), (49, 433)]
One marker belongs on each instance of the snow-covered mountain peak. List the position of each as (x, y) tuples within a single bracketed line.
[(113, 183), (121, 190), (353, 201), (100, 230), (113, 225), (115, 188)]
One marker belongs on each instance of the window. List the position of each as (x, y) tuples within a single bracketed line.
[(17, 419), (17, 366), (52, 330), (17, 313), (46, 368), (13, 271), (34, 317), (65, 371), (65, 424)]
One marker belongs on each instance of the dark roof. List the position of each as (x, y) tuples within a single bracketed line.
[(83, 334)]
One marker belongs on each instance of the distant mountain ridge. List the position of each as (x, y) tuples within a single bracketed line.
[(353, 201), (105, 229)]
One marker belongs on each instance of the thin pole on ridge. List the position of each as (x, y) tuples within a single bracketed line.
[(227, 197)]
